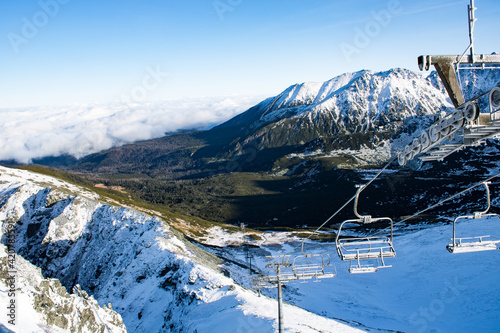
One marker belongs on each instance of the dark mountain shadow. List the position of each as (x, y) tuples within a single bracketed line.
[(106, 241), (299, 201), (33, 226)]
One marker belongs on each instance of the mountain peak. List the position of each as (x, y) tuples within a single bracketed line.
[(349, 103)]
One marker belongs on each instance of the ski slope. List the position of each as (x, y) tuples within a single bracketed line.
[(426, 290)]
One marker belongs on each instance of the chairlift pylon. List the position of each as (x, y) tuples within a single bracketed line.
[(356, 249), (475, 243), (466, 125)]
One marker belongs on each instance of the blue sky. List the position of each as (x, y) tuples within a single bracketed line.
[(61, 52)]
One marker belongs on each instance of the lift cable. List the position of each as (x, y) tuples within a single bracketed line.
[(343, 206), (442, 201)]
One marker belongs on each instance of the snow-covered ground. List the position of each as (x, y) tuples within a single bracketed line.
[(155, 279), (427, 289), (22, 286), (159, 282), (364, 155)]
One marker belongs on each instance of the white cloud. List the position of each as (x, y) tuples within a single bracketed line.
[(31, 133)]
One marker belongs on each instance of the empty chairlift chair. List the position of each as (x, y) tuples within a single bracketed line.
[(359, 250), (475, 243), (308, 266)]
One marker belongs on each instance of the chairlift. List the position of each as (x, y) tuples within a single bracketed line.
[(359, 268), (364, 248), (260, 281), (280, 269), (466, 125), (475, 243), (308, 266)]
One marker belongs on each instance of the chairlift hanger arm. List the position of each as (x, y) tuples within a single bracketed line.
[(363, 218), (424, 61), (445, 66), (488, 200)]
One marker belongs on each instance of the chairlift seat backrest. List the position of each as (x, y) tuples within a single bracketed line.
[(475, 243), (365, 248), (307, 266)]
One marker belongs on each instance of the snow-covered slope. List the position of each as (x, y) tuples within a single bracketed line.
[(350, 103), (155, 279), (159, 282), (427, 289), (43, 305)]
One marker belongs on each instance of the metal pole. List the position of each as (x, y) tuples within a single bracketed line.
[(280, 305), (472, 19)]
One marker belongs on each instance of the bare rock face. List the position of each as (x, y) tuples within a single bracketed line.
[(39, 304)]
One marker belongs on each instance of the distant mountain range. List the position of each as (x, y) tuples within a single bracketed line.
[(358, 118), (351, 103), (352, 111), (307, 137)]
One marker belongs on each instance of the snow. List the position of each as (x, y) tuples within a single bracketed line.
[(220, 237), (371, 93), (314, 92), (28, 281), (26, 318), (151, 275), (365, 155), (155, 279), (13, 178), (427, 289)]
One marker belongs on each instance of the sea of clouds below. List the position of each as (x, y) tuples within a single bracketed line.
[(80, 130)]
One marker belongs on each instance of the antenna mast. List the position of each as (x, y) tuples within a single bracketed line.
[(472, 20)]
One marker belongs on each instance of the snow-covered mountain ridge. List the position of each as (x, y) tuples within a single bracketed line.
[(366, 95), (352, 111), (155, 279), (350, 103)]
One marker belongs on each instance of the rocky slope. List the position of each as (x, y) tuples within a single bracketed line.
[(41, 305), (350, 103), (154, 278)]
